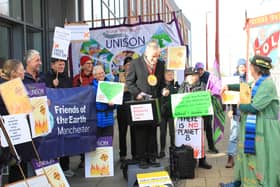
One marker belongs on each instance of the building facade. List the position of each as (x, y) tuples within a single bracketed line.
[(29, 24)]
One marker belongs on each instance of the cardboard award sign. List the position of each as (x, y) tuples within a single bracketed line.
[(144, 112)]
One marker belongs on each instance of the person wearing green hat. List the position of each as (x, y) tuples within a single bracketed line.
[(257, 162)]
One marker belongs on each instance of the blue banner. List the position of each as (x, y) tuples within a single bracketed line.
[(73, 121)]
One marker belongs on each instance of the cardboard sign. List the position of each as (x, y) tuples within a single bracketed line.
[(230, 97), (176, 58), (245, 93), (110, 92), (17, 128), (15, 97), (53, 171), (191, 104), (61, 41), (190, 131), (36, 181), (154, 179), (100, 163)]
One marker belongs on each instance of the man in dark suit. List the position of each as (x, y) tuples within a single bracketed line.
[(145, 79)]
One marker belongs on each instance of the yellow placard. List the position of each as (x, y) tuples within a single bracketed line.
[(245, 93)]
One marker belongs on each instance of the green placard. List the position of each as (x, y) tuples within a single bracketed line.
[(191, 104)]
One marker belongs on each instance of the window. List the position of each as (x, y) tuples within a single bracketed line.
[(11, 8), (34, 39), (33, 12), (4, 42)]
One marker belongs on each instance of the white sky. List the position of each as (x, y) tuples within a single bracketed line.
[(232, 20)]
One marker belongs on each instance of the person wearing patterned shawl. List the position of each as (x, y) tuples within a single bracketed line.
[(258, 159)]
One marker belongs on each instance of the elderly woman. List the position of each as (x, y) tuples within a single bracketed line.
[(258, 151)]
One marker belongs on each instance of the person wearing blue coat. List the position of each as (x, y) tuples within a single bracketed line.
[(104, 111)]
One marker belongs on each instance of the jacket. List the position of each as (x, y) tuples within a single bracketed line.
[(104, 112), (166, 111), (64, 80)]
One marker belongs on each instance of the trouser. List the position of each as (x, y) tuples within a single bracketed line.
[(105, 131), (123, 123), (163, 131), (209, 132), (233, 137), (15, 174), (145, 141), (64, 163)]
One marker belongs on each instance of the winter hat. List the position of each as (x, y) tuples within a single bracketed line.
[(84, 59), (241, 61)]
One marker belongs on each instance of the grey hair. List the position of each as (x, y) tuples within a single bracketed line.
[(30, 54), (95, 68), (152, 45)]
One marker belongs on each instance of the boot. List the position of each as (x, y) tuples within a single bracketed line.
[(230, 162), (204, 164)]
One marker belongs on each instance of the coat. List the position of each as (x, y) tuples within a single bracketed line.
[(136, 80)]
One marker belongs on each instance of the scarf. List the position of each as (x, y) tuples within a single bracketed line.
[(250, 126)]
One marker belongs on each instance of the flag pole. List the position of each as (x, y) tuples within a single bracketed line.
[(217, 52)]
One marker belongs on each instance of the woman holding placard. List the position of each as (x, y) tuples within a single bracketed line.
[(258, 160), (12, 69)]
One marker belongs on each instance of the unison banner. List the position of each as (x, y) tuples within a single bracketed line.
[(110, 46), (73, 121)]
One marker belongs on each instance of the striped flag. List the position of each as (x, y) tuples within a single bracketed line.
[(214, 85)]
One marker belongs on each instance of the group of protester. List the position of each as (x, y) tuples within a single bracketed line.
[(146, 78)]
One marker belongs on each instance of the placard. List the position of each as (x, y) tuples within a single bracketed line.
[(15, 97), (17, 128), (230, 80), (61, 41), (79, 31), (110, 92), (36, 181), (245, 93), (191, 104), (100, 163), (154, 179), (190, 131), (142, 112), (176, 58), (230, 97), (53, 171)]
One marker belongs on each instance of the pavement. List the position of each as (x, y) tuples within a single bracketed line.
[(203, 177)]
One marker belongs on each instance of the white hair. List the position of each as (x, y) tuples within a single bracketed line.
[(97, 67), (152, 45), (30, 54)]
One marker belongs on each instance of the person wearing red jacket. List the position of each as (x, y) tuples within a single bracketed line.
[(85, 76)]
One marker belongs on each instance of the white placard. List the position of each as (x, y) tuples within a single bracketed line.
[(55, 175), (61, 41), (36, 181), (79, 32), (230, 80), (141, 112), (17, 128), (189, 131), (110, 92)]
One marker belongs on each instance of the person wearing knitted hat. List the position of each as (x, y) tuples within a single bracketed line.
[(234, 116), (192, 83), (257, 162), (85, 77), (204, 76)]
